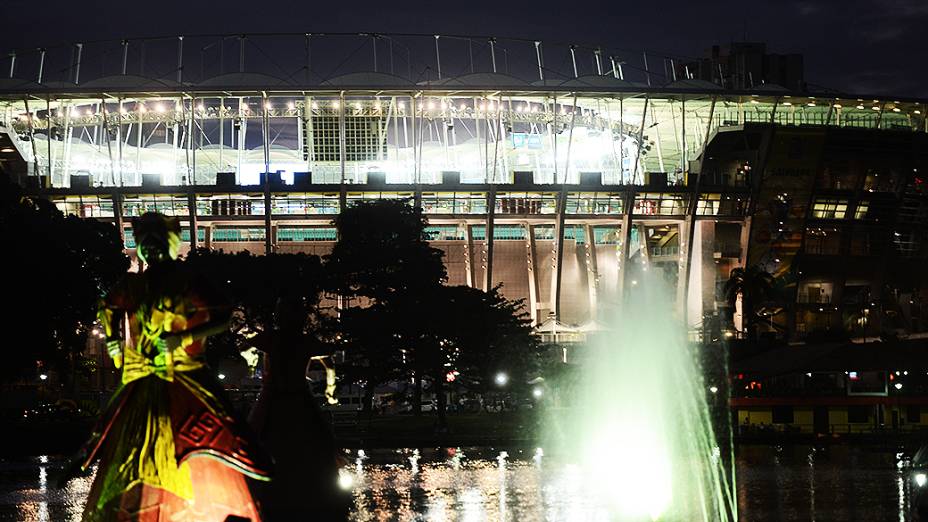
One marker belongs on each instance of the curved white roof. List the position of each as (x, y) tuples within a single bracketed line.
[(253, 80), (128, 82), (695, 84), (481, 79), (367, 79)]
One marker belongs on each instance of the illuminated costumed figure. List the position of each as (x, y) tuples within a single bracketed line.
[(168, 444)]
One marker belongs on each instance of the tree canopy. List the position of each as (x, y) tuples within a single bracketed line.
[(59, 269)]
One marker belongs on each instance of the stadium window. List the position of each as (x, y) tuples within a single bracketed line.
[(862, 207), (829, 208), (708, 204)]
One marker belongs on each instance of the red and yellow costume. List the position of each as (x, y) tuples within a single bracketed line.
[(169, 445)]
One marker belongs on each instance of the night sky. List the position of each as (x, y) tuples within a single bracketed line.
[(851, 46)]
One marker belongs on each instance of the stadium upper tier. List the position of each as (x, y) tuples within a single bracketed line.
[(470, 118)]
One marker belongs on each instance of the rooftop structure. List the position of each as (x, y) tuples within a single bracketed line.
[(562, 185)]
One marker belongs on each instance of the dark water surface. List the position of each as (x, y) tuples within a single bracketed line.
[(827, 483)]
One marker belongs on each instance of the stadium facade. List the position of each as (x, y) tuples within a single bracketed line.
[(562, 187)]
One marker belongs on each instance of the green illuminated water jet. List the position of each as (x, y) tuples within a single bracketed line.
[(639, 426)]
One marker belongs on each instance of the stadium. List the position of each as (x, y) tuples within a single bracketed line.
[(560, 171)]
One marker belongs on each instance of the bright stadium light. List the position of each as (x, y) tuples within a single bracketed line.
[(502, 379), (921, 479), (43, 377)]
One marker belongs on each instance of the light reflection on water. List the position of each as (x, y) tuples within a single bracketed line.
[(774, 483)]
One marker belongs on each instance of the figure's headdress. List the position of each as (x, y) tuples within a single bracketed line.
[(154, 227)]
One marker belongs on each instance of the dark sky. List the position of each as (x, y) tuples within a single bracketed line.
[(853, 45)]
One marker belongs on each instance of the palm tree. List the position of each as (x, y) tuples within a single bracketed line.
[(753, 284)]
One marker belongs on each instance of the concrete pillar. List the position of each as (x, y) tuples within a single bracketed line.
[(531, 257), (192, 217), (592, 270)]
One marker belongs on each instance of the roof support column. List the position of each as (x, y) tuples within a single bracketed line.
[(68, 134), (119, 141), (490, 226), (438, 56), (240, 144), (118, 214), (192, 216), (644, 115), (268, 206), (309, 141), (625, 245), (469, 277), (691, 217), (138, 144), (592, 270), (342, 145), (180, 59), (48, 134)]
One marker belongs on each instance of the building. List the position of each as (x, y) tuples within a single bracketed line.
[(561, 187), (746, 66)]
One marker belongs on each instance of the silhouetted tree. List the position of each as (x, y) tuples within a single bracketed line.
[(475, 333), (753, 284), (57, 269), (382, 251), (408, 323), (382, 256)]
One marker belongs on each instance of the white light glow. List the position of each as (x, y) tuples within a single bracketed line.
[(345, 480), (920, 479), (537, 393), (502, 379), (222, 376), (43, 376)]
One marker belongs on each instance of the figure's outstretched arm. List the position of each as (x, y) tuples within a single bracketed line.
[(215, 326)]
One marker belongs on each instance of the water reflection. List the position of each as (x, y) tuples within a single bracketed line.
[(789, 483)]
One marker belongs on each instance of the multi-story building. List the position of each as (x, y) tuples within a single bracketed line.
[(560, 188)]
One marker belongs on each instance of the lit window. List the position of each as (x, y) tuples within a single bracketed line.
[(862, 208), (828, 208)]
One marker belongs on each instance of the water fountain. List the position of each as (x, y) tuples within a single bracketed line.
[(501, 460), (457, 458), (539, 454), (359, 462), (640, 427), (414, 461)]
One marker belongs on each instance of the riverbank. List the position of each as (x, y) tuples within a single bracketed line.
[(512, 429)]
